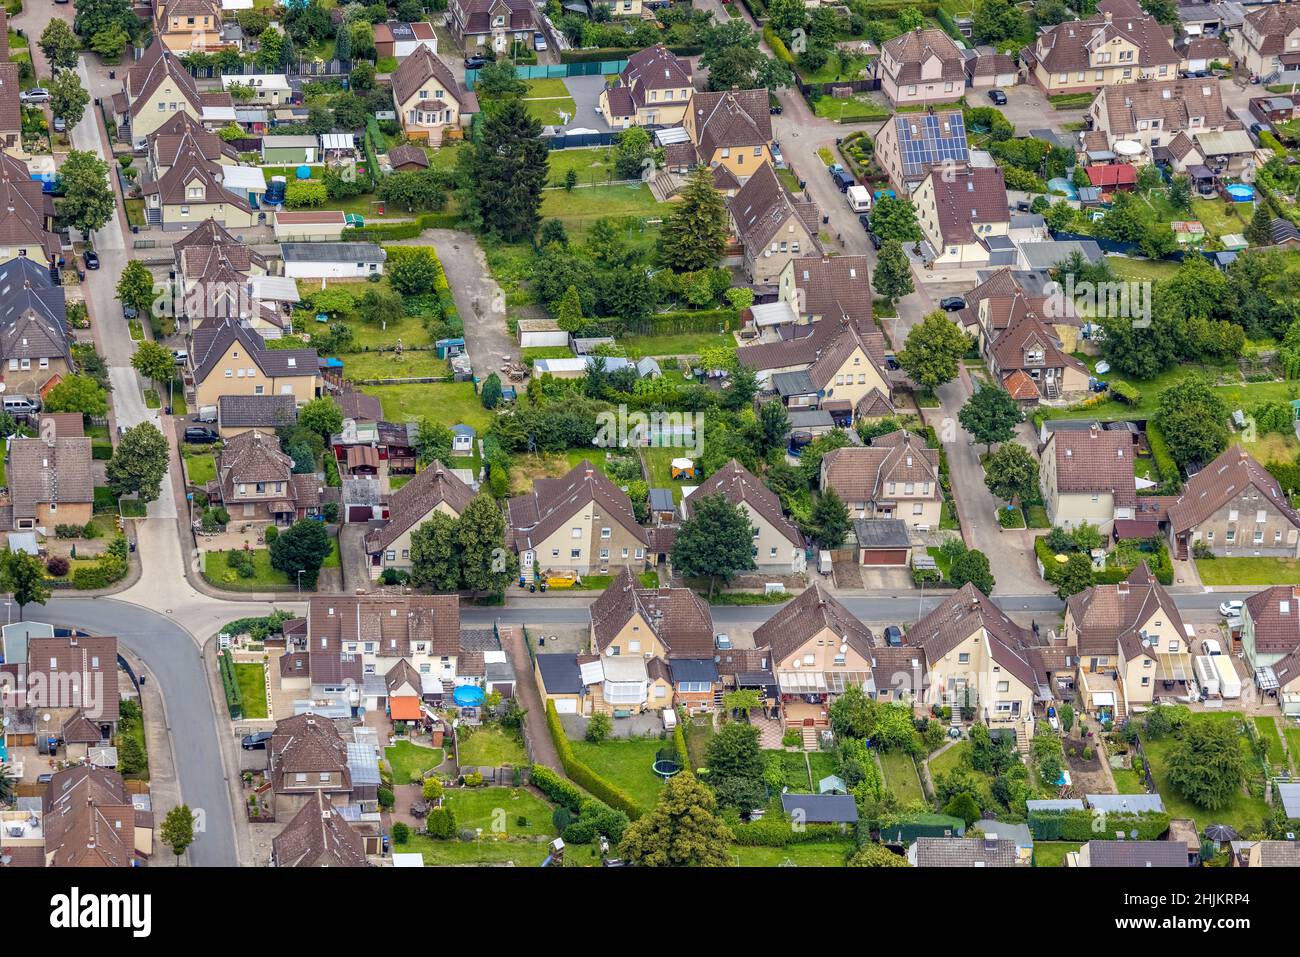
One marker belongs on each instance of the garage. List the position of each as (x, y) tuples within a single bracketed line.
[(360, 513), (883, 542), (566, 705)]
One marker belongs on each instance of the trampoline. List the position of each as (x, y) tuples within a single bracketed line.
[(666, 764), (468, 696)]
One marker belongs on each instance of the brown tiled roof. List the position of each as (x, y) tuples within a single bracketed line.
[(966, 197), (814, 610), (1111, 616), (11, 110), (839, 348), (476, 14), (295, 664), (208, 239), (1274, 22), (1206, 48), (209, 342), (417, 69), (1066, 47), (23, 211), (987, 62), (42, 474), (66, 424), (552, 502), (414, 501), (257, 411), (1287, 670), (88, 819), (1027, 332), (1094, 460), (825, 337), (654, 68), (874, 405), (763, 207), (835, 287), (620, 103), (1275, 616), (359, 406), (735, 119), (1020, 386), (407, 155), (1222, 480), (157, 64), (393, 623), (1137, 854), (860, 474), (22, 855), (403, 673), (191, 167), (1173, 102), (81, 730), (92, 658), (1279, 854), (737, 484), (307, 744), (959, 617), (965, 852), (182, 131), (33, 336), (252, 456), (318, 836), (912, 49), (677, 616)]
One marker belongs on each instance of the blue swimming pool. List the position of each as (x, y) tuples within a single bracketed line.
[(1241, 193)]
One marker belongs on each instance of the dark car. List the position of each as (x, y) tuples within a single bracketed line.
[(875, 241), (92, 259), (891, 361), (255, 742), (894, 636), (864, 221), (952, 303), (773, 104), (474, 62), (998, 97), (200, 436), (844, 180)]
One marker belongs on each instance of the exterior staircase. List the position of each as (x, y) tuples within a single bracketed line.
[(811, 740), (1022, 739), (1051, 389), (153, 215), (717, 700)]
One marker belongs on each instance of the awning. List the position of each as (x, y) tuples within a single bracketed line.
[(1136, 528), (1103, 699), (281, 505), (802, 682), (405, 708), (247, 179), (1227, 143), (1170, 667)]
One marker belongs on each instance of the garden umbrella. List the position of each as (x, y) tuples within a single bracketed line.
[(1220, 833)]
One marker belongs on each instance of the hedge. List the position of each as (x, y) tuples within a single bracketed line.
[(778, 832), (1081, 825), (106, 571), (601, 54), (1170, 481), (560, 790), (583, 775), (679, 742), (234, 700), (101, 450), (396, 231), (696, 320), (778, 47)]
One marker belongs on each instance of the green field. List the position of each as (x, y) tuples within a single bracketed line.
[(498, 811), (812, 854), (582, 206), (547, 111), (449, 403), (252, 688), (487, 851), (681, 344), (1267, 728), (1128, 781), (1141, 269), (410, 364), (489, 746), (265, 578), (200, 469), (1244, 813), (410, 761), (626, 762), (1052, 853), (901, 776), (853, 109), (1248, 571), (593, 165)]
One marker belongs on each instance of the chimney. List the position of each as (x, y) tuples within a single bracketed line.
[(1093, 431), (1108, 16)]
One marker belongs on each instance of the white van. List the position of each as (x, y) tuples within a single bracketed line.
[(20, 405), (859, 198)]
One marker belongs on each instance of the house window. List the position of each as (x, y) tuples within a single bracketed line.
[(964, 658), (555, 553), (606, 533), (839, 660), (772, 552), (575, 532), (1146, 681), (808, 660), (625, 553), (604, 554), (661, 691), (1004, 686), (634, 647), (575, 553), (1259, 536), (640, 553), (918, 509), (1231, 536)]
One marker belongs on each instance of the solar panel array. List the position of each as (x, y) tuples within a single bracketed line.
[(932, 144)]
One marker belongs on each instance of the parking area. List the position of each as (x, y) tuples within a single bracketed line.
[(585, 91)]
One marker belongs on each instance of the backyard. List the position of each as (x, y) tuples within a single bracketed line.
[(1248, 571), (217, 571), (1052, 853), (409, 761), (626, 762), (489, 746), (252, 688), (811, 854), (514, 812), (449, 403), (594, 165), (901, 776), (486, 850)]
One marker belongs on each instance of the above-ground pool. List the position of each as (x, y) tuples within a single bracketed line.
[(468, 696), (1241, 193), (1063, 186)]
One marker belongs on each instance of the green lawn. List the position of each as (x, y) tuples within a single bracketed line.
[(1267, 728), (1244, 813), (582, 206), (698, 736), (359, 366), (812, 854), (683, 344), (498, 810), (595, 165), (265, 578), (1248, 571), (546, 87), (487, 851), (1292, 733), (1141, 269), (410, 761), (252, 688), (901, 776), (626, 762), (950, 759), (659, 464), (490, 746), (794, 768), (1128, 781), (200, 469), (548, 111), (853, 109), (446, 402), (1217, 220), (822, 764), (1052, 853)]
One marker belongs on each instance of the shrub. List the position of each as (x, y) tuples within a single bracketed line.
[(792, 738), (271, 534), (1080, 825), (57, 566), (441, 823), (432, 789), (401, 832), (599, 728), (560, 790), (385, 796)]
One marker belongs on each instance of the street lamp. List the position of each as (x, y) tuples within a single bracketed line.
[(300, 571)]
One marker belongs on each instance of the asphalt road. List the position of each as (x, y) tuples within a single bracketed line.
[(174, 662)]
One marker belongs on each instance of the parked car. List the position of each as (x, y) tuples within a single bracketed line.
[(44, 778), (952, 303), (778, 160), (475, 62), (59, 125), (92, 259), (894, 636), (998, 97), (1231, 609), (256, 742), (875, 241), (865, 222), (834, 168), (198, 435), (539, 42), (36, 94), (844, 180), (180, 356)]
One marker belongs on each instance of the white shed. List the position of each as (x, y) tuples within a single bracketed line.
[(332, 260), (540, 333)]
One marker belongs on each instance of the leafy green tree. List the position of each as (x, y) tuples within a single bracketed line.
[(414, 273), (716, 541), (23, 575), (963, 806), (94, 15), (154, 362), (87, 202), (681, 830), (435, 554), (1164, 11), (303, 546), (77, 393), (414, 191), (830, 521), (1206, 764), (139, 463), (487, 566), (997, 20), (1011, 473), (491, 395), (972, 566), (876, 855), (110, 42), (1258, 231), (630, 152), (932, 351), (1075, 577), (1193, 420), (135, 287), (322, 416), (568, 311), (1180, 193), (694, 233), (773, 427), (378, 306), (507, 170), (60, 45), (178, 830), (853, 714), (895, 219), (499, 81), (893, 276), (68, 98), (735, 764), (270, 48), (432, 442), (895, 730), (990, 415)]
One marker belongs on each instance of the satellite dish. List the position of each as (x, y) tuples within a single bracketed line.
[(45, 717), (1133, 834), (2, 386)]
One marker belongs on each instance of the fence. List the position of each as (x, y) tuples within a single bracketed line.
[(571, 141), (555, 71), (307, 68), (1128, 249)]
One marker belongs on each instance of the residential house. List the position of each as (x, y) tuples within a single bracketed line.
[(428, 97), (34, 339), (922, 66), (228, 358), (1269, 854), (498, 25), (660, 642), (1006, 295), (332, 260), (1087, 476), (772, 226), (1031, 364), (778, 543), (730, 131), (965, 852), (959, 211), (399, 40), (1234, 506), (90, 820), (318, 836), (73, 679), (1269, 40), (237, 414), (1130, 640), (26, 215), (978, 661), (559, 679), (219, 278), (186, 26), (1130, 854), (433, 489), (157, 86), (654, 89), (1153, 113), (1270, 625), (818, 649), (308, 756), (987, 68), (1119, 44), (896, 476), (258, 89), (194, 189), (581, 522), (1201, 53), (910, 145), (51, 483), (255, 480)]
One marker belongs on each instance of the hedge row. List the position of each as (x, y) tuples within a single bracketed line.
[(559, 789), (234, 700), (1081, 825), (583, 775), (396, 231), (1170, 482), (679, 741), (696, 320), (778, 832), (601, 54), (101, 450)]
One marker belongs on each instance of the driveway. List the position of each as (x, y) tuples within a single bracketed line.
[(1028, 108), (353, 558), (539, 736), (585, 91), (479, 300)]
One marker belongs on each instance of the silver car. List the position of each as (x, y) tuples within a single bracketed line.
[(35, 95)]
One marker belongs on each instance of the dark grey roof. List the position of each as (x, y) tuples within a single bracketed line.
[(882, 533), (560, 674), (661, 500), (693, 669), (811, 419), (1125, 803), (1069, 425), (965, 852), (793, 383), (332, 252), (1137, 854), (821, 808), (24, 284), (256, 411), (479, 639)]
